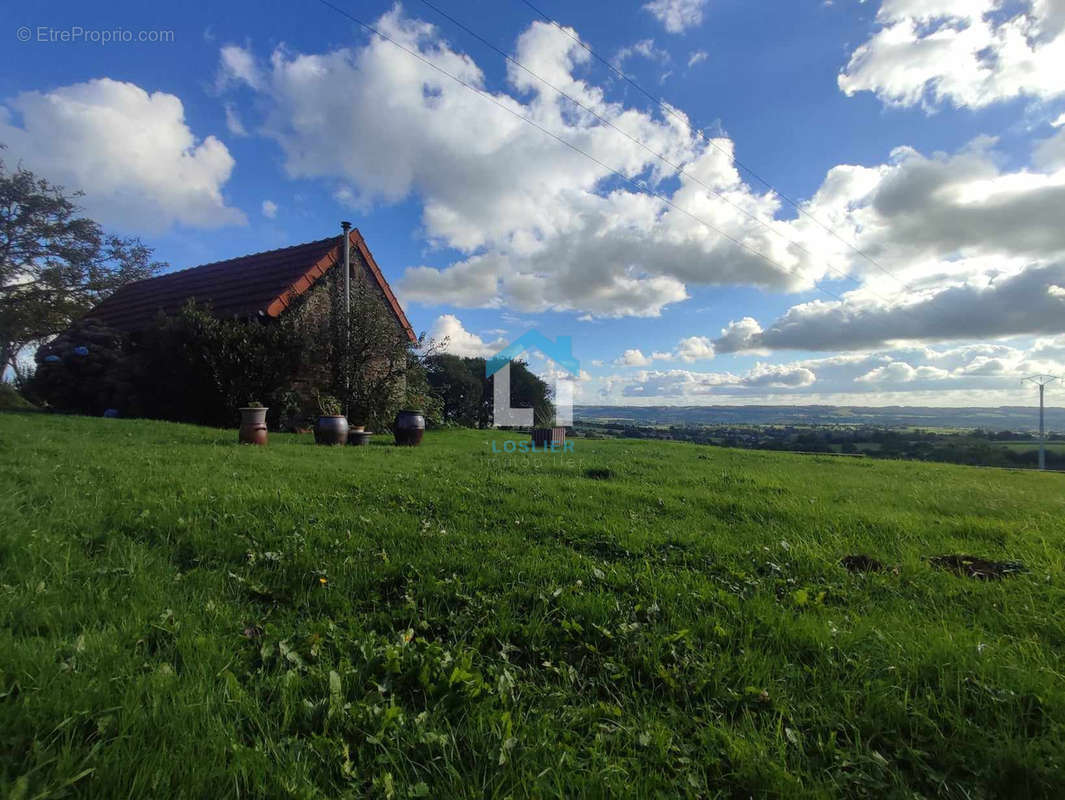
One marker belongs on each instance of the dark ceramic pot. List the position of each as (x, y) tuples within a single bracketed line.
[(409, 428), (331, 430), (252, 426), (359, 438)]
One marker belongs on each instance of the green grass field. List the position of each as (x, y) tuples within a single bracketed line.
[(181, 616)]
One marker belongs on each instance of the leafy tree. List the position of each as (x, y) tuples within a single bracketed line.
[(460, 383), (467, 395), (376, 368), (529, 390), (54, 264)]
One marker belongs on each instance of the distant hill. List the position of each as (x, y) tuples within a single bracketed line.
[(1016, 418)]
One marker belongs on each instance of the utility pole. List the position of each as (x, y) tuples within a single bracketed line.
[(1041, 381)]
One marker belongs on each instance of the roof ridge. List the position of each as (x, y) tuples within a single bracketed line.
[(239, 258)]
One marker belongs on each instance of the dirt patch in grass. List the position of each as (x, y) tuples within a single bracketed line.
[(861, 563), (975, 567), (599, 473)]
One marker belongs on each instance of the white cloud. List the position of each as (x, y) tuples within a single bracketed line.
[(234, 124), (1050, 153), (1022, 303), (238, 67), (645, 48), (741, 336), (456, 340), (969, 53), (789, 376), (696, 56), (632, 358), (691, 348), (131, 152), (269, 209), (901, 372), (962, 248), (677, 15)]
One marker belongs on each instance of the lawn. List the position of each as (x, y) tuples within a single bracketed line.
[(181, 616)]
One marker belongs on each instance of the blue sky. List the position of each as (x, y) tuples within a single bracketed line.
[(929, 136)]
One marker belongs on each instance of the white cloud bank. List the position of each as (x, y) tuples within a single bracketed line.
[(542, 226), (132, 153), (967, 53), (984, 374)]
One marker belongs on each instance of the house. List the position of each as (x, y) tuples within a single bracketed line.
[(119, 357), (257, 285)]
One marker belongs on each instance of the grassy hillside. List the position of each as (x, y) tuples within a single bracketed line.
[(181, 616)]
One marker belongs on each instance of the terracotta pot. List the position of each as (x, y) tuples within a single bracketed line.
[(356, 428), (409, 428), (545, 438), (252, 426), (359, 438), (331, 430)]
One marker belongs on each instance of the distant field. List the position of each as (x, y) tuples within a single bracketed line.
[(181, 616), (1057, 447)]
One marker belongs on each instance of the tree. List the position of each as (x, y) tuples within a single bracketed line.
[(529, 390), (376, 368), (467, 395), (54, 264), (459, 383)]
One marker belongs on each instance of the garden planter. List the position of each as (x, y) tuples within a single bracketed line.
[(331, 429), (359, 437), (252, 426), (548, 438), (409, 428)]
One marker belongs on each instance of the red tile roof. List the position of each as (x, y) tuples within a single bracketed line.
[(240, 287)]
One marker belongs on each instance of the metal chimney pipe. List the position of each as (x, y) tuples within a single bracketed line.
[(346, 226)]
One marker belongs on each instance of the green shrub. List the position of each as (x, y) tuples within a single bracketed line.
[(86, 370)]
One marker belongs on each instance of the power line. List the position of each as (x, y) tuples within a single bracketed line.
[(566, 143), (670, 110)]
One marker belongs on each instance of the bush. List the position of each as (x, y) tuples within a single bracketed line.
[(195, 367), (85, 370)]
